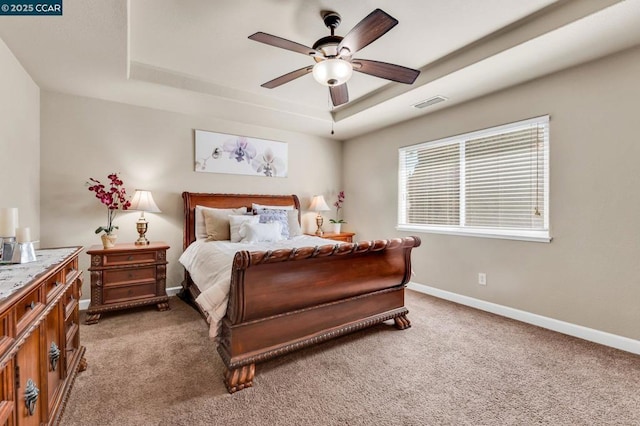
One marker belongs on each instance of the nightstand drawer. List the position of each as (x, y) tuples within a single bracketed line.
[(132, 275), (129, 292), (123, 259)]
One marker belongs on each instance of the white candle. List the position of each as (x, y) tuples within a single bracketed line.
[(23, 235), (8, 221)]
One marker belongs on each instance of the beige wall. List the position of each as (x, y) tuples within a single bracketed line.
[(153, 150), (590, 273), (19, 141)]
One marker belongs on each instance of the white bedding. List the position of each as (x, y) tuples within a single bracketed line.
[(209, 264)]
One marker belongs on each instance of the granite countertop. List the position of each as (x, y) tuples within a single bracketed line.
[(15, 276)]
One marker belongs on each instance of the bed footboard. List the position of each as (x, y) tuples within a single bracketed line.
[(284, 300)]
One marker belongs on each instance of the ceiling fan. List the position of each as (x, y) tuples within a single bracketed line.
[(334, 55)]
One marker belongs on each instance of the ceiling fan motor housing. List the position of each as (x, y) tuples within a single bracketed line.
[(328, 46)]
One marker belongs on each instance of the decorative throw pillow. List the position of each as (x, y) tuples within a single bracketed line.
[(261, 232), (200, 228), (281, 216), (294, 224), (217, 225), (235, 222), (255, 207)]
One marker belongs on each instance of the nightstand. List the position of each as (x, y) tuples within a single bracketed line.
[(346, 237), (127, 276)]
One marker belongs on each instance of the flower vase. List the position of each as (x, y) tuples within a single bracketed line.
[(336, 227), (108, 240)]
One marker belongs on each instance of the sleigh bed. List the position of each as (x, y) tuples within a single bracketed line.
[(285, 299)]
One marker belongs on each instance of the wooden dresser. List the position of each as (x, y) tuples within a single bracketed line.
[(126, 276), (40, 352)]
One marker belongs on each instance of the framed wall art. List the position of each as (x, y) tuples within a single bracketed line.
[(223, 153)]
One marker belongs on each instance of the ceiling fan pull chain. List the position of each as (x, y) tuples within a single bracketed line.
[(331, 107)]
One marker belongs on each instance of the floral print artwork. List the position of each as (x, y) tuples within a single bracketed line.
[(222, 153)]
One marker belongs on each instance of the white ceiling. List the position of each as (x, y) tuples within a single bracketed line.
[(193, 56)]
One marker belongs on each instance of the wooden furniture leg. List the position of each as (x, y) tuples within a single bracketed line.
[(402, 322), (164, 306), (239, 378), (92, 318)]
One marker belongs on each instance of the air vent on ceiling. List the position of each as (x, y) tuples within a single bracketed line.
[(430, 101)]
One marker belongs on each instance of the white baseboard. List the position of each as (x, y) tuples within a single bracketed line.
[(171, 291), (601, 337)]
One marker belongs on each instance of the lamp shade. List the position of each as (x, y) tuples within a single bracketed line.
[(318, 204), (143, 201), (332, 72)]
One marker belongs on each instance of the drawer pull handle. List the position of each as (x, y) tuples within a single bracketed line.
[(130, 275), (31, 305), (56, 284), (54, 356), (130, 257), (31, 393)]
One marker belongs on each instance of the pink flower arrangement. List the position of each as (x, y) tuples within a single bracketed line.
[(114, 197), (338, 206)]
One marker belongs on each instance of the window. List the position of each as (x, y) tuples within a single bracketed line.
[(492, 183)]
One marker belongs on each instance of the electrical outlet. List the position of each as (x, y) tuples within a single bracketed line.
[(482, 278)]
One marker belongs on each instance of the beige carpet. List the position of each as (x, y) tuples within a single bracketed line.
[(455, 366)]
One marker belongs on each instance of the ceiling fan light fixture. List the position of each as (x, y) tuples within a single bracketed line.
[(332, 72)]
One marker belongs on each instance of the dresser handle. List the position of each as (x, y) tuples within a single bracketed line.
[(31, 393), (130, 275), (130, 258), (56, 284), (31, 305), (54, 356)]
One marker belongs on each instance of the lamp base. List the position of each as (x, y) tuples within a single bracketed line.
[(319, 222), (141, 227), (142, 241)]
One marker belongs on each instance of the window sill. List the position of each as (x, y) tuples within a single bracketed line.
[(534, 236)]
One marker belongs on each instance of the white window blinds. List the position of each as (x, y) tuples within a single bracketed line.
[(493, 182)]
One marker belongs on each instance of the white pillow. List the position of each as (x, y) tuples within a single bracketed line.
[(255, 207), (294, 225), (235, 223), (201, 228), (261, 232)]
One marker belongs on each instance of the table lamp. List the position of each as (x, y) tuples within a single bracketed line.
[(143, 201), (318, 204)]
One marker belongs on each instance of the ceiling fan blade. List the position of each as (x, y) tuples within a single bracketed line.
[(287, 77), (339, 94), (385, 70), (283, 43), (372, 27)]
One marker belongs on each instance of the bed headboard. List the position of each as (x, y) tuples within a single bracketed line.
[(223, 201)]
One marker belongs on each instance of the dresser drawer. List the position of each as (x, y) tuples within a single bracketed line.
[(6, 330), (70, 268), (70, 299), (27, 309), (131, 275), (72, 329), (123, 259), (54, 284), (129, 292)]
